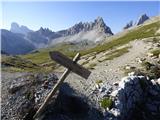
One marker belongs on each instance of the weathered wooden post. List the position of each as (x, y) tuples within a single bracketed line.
[(71, 66)]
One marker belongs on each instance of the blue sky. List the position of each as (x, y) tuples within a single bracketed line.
[(61, 15)]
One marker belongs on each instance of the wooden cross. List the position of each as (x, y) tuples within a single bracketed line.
[(71, 66)]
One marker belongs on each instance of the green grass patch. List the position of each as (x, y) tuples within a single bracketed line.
[(115, 53), (42, 56), (18, 62), (99, 81), (92, 65), (86, 62), (106, 103), (156, 52), (151, 70)]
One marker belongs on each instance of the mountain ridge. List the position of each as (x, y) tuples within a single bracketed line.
[(90, 32), (142, 18), (44, 37)]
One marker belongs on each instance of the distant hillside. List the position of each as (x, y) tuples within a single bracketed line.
[(13, 43)]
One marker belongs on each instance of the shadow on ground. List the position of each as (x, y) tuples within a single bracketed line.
[(71, 106)]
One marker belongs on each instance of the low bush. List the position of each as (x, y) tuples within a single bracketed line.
[(106, 103)]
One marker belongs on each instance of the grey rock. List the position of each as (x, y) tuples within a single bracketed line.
[(15, 28), (142, 19), (128, 25), (97, 24), (102, 89), (132, 93)]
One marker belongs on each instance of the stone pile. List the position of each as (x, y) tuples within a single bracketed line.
[(26, 94)]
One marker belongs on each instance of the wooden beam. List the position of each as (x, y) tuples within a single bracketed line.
[(68, 63), (55, 88)]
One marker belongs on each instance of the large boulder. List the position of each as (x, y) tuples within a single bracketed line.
[(134, 99)]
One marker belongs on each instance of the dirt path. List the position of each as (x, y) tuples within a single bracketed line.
[(109, 71)]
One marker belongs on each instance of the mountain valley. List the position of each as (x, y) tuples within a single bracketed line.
[(134, 52)]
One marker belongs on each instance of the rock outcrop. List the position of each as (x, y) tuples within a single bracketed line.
[(142, 19), (135, 97)]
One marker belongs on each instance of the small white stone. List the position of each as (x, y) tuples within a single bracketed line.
[(115, 112), (114, 93), (153, 82), (97, 86), (150, 54), (158, 81), (131, 74), (128, 67)]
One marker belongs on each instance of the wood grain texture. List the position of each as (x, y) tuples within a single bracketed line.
[(70, 64)]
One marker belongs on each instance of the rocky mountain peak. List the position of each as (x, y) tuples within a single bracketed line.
[(44, 30), (128, 25), (16, 28), (14, 25), (99, 20), (142, 19), (98, 24), (47, 33)]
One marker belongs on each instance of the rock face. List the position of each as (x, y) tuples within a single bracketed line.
[(142, 19), (97, 24), (48, 33), (15, 28), (128, 25), (95, 32), (135, 98)]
